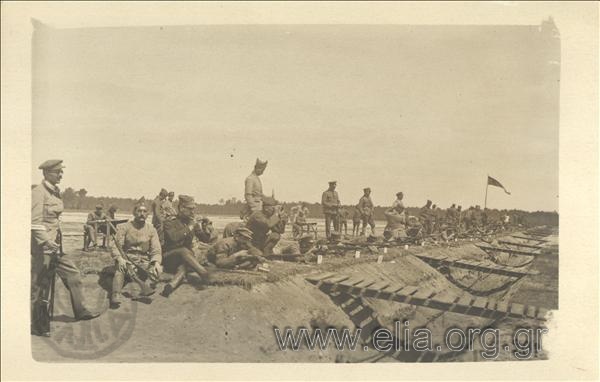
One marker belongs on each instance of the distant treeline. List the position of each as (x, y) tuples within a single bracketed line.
[(79, 200)]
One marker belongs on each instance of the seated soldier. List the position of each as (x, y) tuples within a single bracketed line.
[(235, 252), (266, 226), (205, 231), (91, 228), (230, 228), (396, 223), (139, 241), (178, 254)]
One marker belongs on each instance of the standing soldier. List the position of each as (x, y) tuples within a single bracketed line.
[(158, 213), (46, 251), (343, 215), (253, 191), (169, 206), (355, 221), (426, 218), (140, 242), (331, 203), (365, 206), (178, 252), (398, 202)]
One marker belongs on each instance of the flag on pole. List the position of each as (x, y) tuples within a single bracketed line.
[(494, 182)]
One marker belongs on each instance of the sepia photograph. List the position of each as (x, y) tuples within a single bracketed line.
[(295, 193)]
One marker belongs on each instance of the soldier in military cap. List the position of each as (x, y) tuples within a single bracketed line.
[(178, 253), (426, 217), (235, 252), (253, 192), (366, 208), (158, 213), (139, 240), (331, 204), (396, 223), (398, 201), (47, 258), (266, 226)]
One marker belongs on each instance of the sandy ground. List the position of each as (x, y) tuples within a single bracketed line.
[(235, 323)]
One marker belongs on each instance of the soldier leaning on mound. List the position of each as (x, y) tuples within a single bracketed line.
[(178, 254), (46, 208), (266, 226), (140, 242), (235, 252)]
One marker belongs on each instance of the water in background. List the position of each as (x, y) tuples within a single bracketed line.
[(74, 221)]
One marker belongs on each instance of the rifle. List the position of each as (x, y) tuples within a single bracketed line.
[(43, 311), (146, 290)]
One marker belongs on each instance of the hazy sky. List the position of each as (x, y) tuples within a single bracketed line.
[(426, 110)]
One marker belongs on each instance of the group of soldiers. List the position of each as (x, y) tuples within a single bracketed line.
[(183, 246)]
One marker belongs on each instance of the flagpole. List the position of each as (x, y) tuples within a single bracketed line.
[(487, 184)]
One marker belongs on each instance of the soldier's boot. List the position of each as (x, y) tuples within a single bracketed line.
[(117, 285), (175, 281)]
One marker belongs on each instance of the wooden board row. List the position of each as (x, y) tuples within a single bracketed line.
[(408, 294), (475, 265)]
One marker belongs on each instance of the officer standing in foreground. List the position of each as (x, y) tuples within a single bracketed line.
[(46, 208), (331, 204)]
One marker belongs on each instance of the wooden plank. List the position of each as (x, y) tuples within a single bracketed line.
[(336, 279), (530, 311), (442, 301), (519, 244), (373, 290), (389, 291), (404, 293), (322, 276), (502, 307), (478, 306), (541, 314), (463, 304), (517, 310), (365, 284), (422, 294), (499, 249)]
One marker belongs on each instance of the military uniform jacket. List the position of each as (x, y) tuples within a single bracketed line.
[(395, 220), (92, 216), (365, 206), (260, 225), (426, 214), (253, 191), (330, 201), (158, 213), (141, 242), (177, 234), (46, 208)]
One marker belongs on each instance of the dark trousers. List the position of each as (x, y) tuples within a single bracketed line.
[(41, 278), (331, 218), (367, 219)]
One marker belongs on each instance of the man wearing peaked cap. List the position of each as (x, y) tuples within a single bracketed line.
[(178, 253), (253, 191), (235, 252), (366, 207), (330, 202), (46, 247), (266, 226)]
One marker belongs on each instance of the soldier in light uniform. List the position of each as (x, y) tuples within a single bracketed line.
[(396, 223), (398, 202), (46, 208), (365, 206), (253, 191), (140, 242), (331, 204), (426, 217)]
